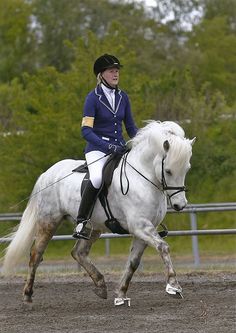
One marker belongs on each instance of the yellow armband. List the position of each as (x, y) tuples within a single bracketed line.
[(88, 121)]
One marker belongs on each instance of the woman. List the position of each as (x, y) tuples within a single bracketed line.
[(106, 107)]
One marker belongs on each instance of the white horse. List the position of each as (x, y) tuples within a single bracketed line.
[(156, 168)]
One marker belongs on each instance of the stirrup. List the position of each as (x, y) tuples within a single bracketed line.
[(82, 232), (164, 232)]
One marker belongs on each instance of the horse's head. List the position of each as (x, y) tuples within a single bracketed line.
[(164, 144), (171, 168)]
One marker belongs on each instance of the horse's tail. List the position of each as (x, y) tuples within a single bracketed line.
[(23, 238)]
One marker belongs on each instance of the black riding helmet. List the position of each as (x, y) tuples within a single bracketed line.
[(104, 62)]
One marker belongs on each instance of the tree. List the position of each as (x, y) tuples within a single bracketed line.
[(47, 120), (215, 62), (17, 40)]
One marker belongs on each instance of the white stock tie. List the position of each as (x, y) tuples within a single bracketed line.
[(112, 94)]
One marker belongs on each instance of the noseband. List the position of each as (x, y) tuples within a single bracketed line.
[(163, 185)]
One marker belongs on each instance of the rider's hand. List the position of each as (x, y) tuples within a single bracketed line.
[(117, 149)]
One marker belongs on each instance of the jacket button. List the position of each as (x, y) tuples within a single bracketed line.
[(115, 131)]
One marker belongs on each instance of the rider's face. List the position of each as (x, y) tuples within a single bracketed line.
[(111, 75)]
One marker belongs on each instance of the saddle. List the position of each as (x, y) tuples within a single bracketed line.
[(111, 164)]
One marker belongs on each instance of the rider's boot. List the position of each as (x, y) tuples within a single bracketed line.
[(87, 201)]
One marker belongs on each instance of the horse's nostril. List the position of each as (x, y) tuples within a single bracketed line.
[(177, 207)]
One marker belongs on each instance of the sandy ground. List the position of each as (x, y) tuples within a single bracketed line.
[(66, 303)]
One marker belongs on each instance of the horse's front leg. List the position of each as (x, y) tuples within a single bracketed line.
[(80, 253), (136, 252), (147, 232)]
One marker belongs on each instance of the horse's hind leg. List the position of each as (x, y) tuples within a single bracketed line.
[(80, 253), (43, 236), (132, 264)]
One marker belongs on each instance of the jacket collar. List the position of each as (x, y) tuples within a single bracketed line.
[(102, 99)]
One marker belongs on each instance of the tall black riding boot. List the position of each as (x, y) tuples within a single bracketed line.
[(87, 202)]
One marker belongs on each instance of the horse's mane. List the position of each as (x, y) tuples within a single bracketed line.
[(156, 132)]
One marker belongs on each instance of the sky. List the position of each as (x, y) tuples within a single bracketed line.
[(195, 15), (148, 2)]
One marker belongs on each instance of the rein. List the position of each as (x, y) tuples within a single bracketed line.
[(123, 169), (162, 187)]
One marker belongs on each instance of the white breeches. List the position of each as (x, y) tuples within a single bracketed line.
[(95, 169)]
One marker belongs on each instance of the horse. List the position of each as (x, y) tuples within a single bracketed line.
[(155, 168)]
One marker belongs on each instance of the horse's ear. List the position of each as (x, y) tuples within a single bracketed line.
[(193, 140), (166, 145)]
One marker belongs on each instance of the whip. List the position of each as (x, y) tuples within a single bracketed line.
[(49, 185)]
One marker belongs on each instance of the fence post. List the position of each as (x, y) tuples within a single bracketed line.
[(193, 218), (107, 246)]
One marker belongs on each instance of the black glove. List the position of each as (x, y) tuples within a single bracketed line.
[(117, 149)]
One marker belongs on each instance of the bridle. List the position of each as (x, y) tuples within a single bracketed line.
[(165, 187), (162, 186)]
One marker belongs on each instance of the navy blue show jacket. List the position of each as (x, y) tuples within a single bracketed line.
[(106, 128)]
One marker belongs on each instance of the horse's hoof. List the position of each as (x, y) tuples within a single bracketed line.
[(175, 292), (27, 299), (101, 292), (179, 295), (122, 301)]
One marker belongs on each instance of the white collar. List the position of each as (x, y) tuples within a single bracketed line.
[(106, 89)]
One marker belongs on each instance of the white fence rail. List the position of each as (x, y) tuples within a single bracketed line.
[(192, 210)]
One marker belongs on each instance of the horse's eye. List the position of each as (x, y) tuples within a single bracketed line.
[(168, 172)]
